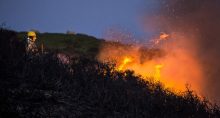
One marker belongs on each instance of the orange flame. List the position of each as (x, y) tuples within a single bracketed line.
[(152, 71), (163, 36), (124, 63), (176, 69), (158, 72)]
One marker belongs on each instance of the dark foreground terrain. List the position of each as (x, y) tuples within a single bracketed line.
[(39, 85)]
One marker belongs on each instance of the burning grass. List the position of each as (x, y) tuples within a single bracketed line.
[(169, 60)]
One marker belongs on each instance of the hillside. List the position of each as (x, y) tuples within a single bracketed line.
[(79, 44), (67, 43), (42, 86)]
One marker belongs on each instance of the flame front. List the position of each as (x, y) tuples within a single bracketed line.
[(150, 72), (124, 63), (175, 69)]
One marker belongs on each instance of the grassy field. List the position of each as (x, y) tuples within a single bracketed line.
[(67, 43)]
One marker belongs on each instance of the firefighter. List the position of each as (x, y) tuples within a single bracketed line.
[(30, 42)]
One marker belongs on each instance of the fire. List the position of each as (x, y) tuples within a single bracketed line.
[(175, 69), (158, 72), (149, 71), (163, 36), (126, 60)]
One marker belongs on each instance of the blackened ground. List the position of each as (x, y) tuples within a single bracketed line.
[(40, 85)]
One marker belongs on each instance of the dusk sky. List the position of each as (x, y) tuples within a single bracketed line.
[(92, 17)]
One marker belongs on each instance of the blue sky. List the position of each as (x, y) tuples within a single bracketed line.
[(92, 17)]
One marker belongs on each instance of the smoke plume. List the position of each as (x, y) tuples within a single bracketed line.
[(199, 21)]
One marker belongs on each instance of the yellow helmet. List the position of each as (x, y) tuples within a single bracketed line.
[(32, 34)]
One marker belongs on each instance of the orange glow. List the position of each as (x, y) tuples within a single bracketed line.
[(124, 63), (158, 71), (153, 71), (175, 69), (163, 36)]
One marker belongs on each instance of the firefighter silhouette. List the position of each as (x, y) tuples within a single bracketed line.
[(30, 42)]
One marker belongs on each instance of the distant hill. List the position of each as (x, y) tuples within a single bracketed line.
[(67, 43)]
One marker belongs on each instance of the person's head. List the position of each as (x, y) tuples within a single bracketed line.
[(32, 35)]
